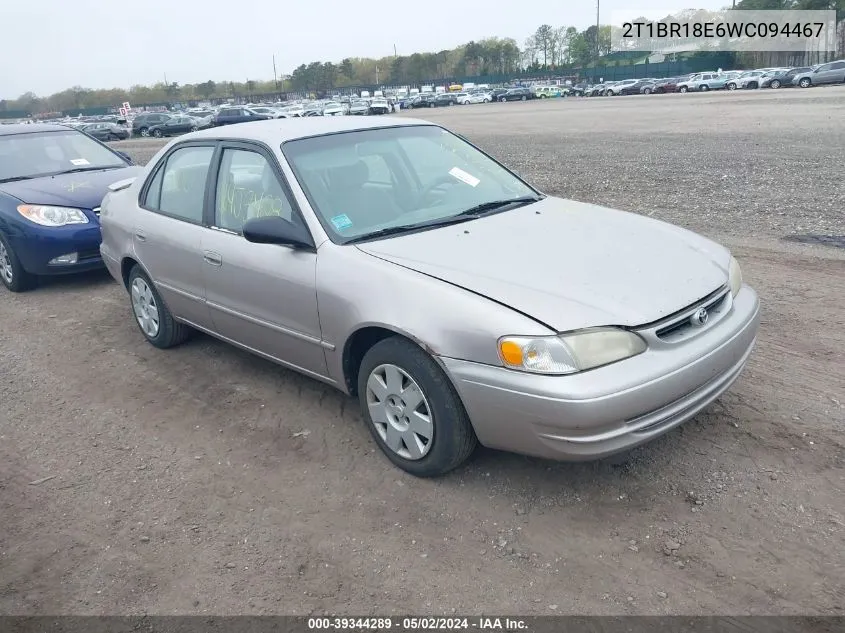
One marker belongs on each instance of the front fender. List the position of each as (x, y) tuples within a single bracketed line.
[(357, 290)]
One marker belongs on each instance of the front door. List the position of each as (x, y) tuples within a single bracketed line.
[(262, 296), (168, 234)]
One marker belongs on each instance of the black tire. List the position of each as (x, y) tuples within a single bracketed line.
[(646, 91), (145, 132), (775, 84), (703, 88), (21, 280), (170, 331), (453, 439), (502, 99), (111, 137), (432, 105), (731, 86), (752, 85), (682, 89), (157, 133), (194, 128), (805, 83), (523, 98)]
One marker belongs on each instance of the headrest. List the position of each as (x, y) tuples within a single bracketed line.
[(349, 176)]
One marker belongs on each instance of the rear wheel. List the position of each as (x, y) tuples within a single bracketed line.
[(153, 318), (412, 410), (157, 133), (732, 86), (12, 274), (194, 128), (805, 82), (646, 91), (775, 84), (682, 89), (704, 87), (523, 98), (502, 99), (145, 132)]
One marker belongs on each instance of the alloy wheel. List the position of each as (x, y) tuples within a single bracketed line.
[(145, 308), (6, 271), (400, 412)]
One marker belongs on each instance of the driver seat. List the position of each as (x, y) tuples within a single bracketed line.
[(350, 195)]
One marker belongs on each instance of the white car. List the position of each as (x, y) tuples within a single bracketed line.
[(480, 97), (615, 89), (333, 108)]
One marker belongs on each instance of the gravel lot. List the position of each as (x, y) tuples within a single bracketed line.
[(205, 480)]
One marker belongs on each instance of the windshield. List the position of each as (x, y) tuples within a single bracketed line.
[(31, 155), (370, 180)]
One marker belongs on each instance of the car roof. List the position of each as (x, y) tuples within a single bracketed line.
[(278, 131), (31, 128)]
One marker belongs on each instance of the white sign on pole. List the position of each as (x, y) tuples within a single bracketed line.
[(123, 112), (126, 106)]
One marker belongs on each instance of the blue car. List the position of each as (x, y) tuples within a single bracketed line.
[(52, 181)]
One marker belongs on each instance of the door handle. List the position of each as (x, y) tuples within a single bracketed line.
[(141, 236), (215, 259)]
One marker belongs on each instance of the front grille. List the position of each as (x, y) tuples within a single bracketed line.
[(680, 325)]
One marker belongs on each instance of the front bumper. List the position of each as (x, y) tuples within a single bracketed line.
[(611, 409), (35, 246)]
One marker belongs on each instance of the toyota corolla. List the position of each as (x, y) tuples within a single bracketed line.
[(399, 263)]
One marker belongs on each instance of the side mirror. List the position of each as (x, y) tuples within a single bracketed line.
[(124, 156), (277, 230)]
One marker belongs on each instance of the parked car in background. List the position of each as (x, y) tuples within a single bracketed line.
[(512, 353), (359, 107), (142, 122), (783, 78), (52, 181), (547, 92), (498, 92), (270, 113), (420, 101), (615, 89), (230, 115), (333, 108), (641, 86), (517, 94), (106, 131), (670, 84), (463, 98), (174, 126), (751, 80), (379, 105), (480, 97), (830, 73), (443, 100)]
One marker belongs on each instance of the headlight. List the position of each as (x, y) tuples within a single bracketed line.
[(52, 216), (735, 277), (569, 353)]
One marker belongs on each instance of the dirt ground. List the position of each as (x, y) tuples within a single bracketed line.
[(205, 480)]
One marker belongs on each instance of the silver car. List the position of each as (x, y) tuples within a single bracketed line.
[(400, 264)]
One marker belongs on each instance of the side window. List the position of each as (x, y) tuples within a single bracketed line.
[(837, 66), (153, 198), (183, 181), (247, 187)]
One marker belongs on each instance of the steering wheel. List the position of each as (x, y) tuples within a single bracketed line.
[(437, 183)]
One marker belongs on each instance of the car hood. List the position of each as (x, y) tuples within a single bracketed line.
[(84, 189), (568, 264)]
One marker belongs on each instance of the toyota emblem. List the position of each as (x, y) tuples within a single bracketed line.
[(700, 317)]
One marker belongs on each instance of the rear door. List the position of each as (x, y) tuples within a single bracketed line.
[(261, 296), (167, 236)]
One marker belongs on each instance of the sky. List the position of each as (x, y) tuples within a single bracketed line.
[(51, 45)]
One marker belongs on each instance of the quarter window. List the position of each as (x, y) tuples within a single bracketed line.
[(178, 188), (247, 187)]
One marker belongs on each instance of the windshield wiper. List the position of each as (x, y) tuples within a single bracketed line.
[(497, 205), (472, 213), (15, 178), (76, 170)]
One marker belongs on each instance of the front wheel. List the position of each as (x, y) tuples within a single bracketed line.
[(704, 87), (412, 410), (775, 84), (157, 133), (145, 132), (523, 98), (682, 89), (646, 91), (732, 86), (194, 128), (805, 83), (153, 317), (502, 99), (12, 273)]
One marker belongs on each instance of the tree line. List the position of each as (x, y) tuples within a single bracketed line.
[(549, 48)]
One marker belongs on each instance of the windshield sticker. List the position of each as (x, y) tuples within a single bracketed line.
[(341, 222), (461, 175), (79, 161)]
